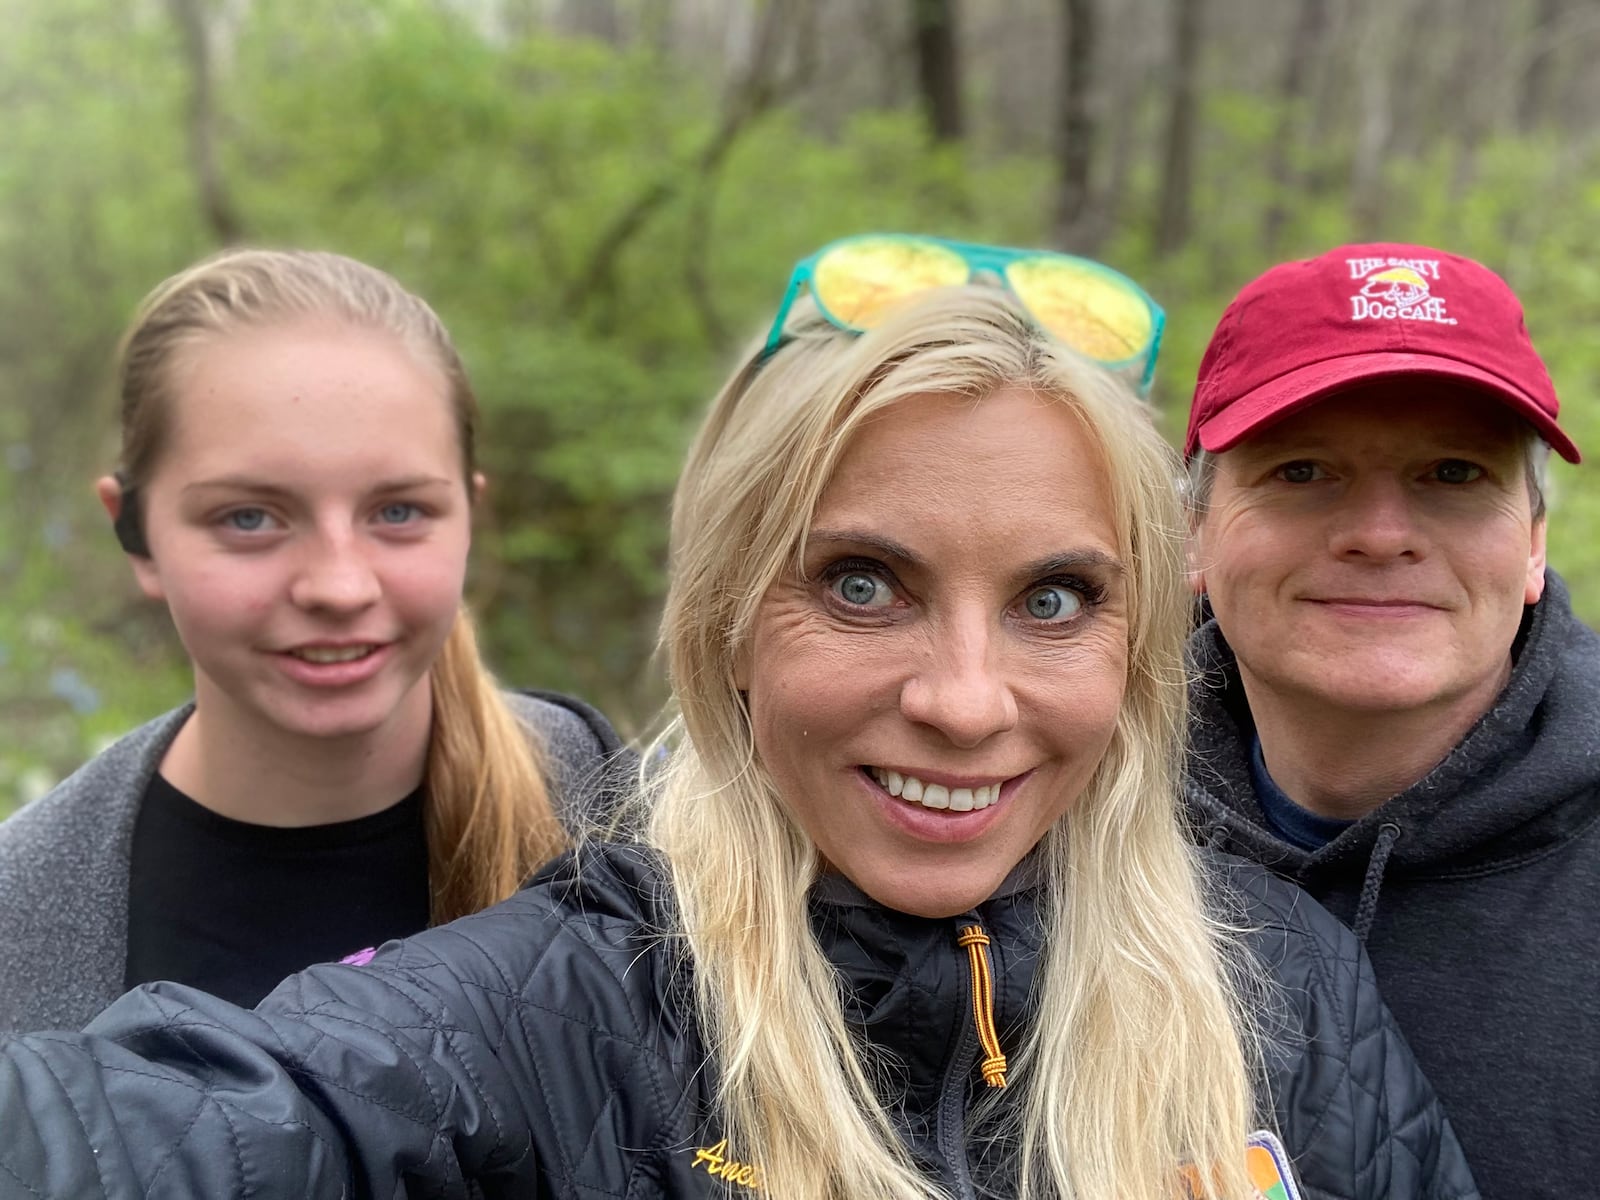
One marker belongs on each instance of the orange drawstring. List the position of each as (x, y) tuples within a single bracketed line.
[(994, 1064)]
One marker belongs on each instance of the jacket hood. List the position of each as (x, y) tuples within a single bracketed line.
[(1524, 779)]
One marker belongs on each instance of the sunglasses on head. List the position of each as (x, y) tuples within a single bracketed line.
[(1098, 312)]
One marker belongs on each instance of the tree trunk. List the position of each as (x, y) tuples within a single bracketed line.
[(1294, 88), (1375, 57), (1076, 128), (216, 204), (593, 18), (938, 67), (1177, 175), (1533, 96)]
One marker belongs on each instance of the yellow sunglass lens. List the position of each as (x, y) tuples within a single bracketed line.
[(1094, 313), (858, 282)]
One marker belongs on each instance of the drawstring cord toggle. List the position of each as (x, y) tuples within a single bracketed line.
[(994, 1062)]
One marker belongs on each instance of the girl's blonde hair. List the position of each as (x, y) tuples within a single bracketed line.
[(489, 818), (1139, 1058)]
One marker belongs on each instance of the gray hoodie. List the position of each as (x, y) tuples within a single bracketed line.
[(64, 859), (1477, 892)]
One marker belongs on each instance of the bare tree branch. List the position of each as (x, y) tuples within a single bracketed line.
[(759, 89)]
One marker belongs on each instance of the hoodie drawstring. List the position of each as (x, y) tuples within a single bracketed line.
[(994, 1062), (1367, 909)]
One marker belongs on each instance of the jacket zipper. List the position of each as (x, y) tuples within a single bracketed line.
[(976, 1035), (994, 1063)]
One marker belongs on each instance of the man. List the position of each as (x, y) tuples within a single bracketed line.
[(1394, 705)]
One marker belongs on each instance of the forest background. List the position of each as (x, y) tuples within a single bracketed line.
[(603, 199)]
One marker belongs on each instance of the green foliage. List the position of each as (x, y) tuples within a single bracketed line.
[(561, 203)]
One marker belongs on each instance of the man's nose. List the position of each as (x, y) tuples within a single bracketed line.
[(1375, 519)]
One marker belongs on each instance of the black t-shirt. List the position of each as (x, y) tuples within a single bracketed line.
[(233, 908)]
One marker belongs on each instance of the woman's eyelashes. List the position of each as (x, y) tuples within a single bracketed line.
[(859, 584), (1061, 600), (867, 587)]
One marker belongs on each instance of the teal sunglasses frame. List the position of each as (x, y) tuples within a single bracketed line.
[(981, 260)]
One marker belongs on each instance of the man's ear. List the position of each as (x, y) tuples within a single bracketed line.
[(1533, 587), (1192, 569)]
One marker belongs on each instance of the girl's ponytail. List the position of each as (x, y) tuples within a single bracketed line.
[(489, 819)]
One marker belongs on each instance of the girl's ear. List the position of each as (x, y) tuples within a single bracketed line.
[(480, 485), (122, 506)]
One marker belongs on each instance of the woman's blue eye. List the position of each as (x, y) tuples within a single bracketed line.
[(1053, 602), (861, 590), (246, 520), (397, 514)]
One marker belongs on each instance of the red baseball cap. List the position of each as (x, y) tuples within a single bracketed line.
[(1305, 330)]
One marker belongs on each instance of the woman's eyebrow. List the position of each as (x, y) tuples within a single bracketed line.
[(1072, 560), (1050, 564), (886, 546)]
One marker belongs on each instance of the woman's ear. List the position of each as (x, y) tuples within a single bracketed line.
[(480, 485)]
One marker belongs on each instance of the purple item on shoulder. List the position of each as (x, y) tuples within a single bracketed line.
[(360, 958)]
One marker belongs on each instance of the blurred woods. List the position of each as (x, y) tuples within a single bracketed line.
[(603, 199)]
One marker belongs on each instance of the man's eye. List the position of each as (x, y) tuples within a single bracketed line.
[(861, 590), (1299, 472), (1454, 470)]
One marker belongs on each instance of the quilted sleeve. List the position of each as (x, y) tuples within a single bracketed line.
[(409, 1077), (1360, 1119)]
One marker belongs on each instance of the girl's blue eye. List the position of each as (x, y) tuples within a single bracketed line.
[(861, 590), (397, 514), (246, 520), (1053, 602)]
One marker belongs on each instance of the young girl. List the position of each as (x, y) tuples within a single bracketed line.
[(915, 917), (297, 483)]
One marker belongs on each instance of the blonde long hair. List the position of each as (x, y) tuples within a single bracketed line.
[(488, 816), (1140, 1055)]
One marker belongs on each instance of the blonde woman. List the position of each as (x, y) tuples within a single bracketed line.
[(296, 484), (912, 916)]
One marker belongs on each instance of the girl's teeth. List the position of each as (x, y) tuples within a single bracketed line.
[(330, 654), (936, 795)]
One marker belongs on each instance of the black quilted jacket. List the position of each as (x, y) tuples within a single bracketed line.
[(545, 1048)]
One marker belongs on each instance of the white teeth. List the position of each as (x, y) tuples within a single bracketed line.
[(332, 654), (936, 795)]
